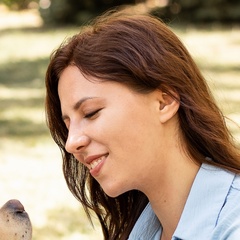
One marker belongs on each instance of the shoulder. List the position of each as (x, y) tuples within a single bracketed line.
[(228, 222), (212, 210)]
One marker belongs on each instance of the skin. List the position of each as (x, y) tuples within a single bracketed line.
[(137, 136)]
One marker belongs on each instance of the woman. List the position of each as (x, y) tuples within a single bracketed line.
[(143, 143)]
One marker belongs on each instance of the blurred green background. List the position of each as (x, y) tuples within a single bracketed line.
[(78, 11), (29, 32)]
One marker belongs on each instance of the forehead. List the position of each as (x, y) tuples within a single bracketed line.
[(72, 76), (73, 82), (74, 85)]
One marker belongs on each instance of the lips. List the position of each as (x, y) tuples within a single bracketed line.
[(94, 161)]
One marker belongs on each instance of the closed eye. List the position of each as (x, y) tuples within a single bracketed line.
[(92, 114)]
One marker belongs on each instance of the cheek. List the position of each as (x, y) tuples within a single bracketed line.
[(133, 133)]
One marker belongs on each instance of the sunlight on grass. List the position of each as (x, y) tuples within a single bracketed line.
[(31, 168), (31, 44), (214, 47), (24, 93)]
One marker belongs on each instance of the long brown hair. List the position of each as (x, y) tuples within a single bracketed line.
[(143, 53)]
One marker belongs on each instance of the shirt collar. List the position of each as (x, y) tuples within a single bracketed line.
[(204, 203), (207, 197), (147, 226)]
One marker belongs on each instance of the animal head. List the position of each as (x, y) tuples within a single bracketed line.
[(15, 223)]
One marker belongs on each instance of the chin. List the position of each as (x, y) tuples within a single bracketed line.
[(113, 190), (112, 193)]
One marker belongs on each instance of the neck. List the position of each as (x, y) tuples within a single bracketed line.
[(170, 190)]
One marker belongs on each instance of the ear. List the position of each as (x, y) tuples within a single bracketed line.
[(168, 105)]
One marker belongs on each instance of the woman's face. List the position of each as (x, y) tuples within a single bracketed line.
[(112, 130)]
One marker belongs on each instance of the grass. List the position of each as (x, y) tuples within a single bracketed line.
[(30, 161)]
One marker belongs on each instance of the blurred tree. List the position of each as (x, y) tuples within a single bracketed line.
[(75, 11), (18, 4), (80, 11), (60, 12), (224, 11)]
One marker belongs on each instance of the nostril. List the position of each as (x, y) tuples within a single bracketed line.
[(15, 205), (78, 148)]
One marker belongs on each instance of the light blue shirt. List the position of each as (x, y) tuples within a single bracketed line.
[(212, 210)]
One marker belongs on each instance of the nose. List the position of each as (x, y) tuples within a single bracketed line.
[(15, 205), (76, 141)]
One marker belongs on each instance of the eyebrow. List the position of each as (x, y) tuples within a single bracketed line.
[(78, 104)]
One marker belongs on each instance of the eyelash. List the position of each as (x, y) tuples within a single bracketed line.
[(91, 114)]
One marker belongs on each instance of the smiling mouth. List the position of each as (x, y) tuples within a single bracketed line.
[(94, 163)]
